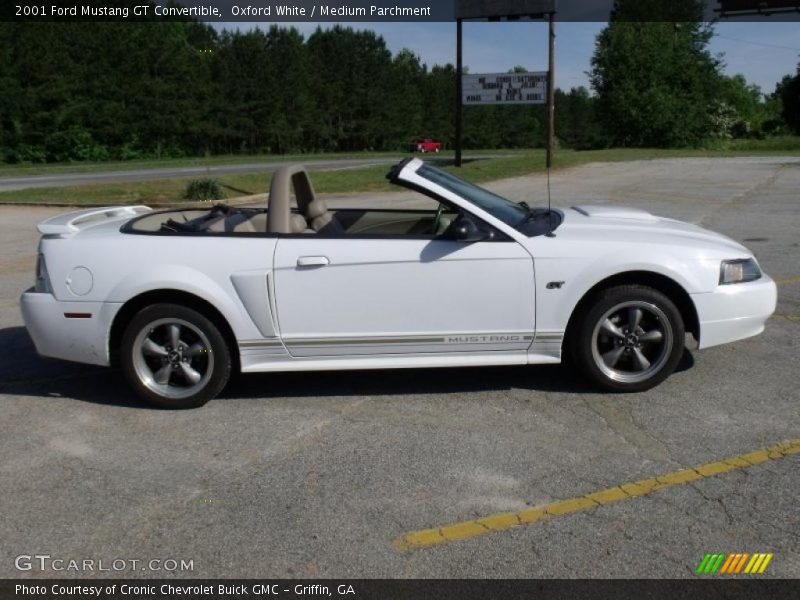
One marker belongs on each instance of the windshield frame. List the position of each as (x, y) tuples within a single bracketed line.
[(507, 211), (528, 221)]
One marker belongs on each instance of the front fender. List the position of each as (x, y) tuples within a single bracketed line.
[(555, 304)]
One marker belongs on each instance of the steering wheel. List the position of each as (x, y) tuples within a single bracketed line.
[(438, 219)]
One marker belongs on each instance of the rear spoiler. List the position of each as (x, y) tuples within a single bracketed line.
[(71, 222)]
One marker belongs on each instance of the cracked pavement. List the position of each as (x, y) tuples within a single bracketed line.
[(315, 474)]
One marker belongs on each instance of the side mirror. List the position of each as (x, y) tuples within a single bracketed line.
[(464, 229)]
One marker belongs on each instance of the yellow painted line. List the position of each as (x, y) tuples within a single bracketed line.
[(764, 564), (788, 280), (426, 538), (795, 318), (754, 563)]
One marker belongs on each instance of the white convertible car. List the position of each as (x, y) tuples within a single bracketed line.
[(180, 298)]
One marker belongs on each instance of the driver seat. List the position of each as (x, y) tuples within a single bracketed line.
[(319, 218)]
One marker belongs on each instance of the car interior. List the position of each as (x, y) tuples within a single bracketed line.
[(294, 208)]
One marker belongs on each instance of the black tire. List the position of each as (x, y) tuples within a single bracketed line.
[(617, 358), (167, 380)]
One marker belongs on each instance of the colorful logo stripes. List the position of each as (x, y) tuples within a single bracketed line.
[(734, 564)]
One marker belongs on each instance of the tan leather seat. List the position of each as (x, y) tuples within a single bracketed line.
[(280, 219), (245, 223), (319, 217), (298, 224), (259, 223)]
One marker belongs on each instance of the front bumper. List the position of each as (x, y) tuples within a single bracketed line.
[(56, 335), (736, 311)]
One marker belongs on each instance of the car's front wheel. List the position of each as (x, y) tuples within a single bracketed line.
[(630, 339), (175, 357)]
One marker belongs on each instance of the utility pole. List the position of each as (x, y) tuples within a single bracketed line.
[(551, 94), (496, 10), (459, 89)]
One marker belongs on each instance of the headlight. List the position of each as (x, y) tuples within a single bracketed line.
[(738, 271), (42, 278)]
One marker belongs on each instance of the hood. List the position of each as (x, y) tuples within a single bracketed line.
[(608, 223), (616, 212)]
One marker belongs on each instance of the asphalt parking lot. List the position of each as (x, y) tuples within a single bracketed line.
[(326, 474)]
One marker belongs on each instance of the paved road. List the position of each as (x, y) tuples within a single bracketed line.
[(8, 184), (317, 475)]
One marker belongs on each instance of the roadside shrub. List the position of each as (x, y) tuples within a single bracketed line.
[(778, 143), (74, 144), (755, 143), (26, 153), (203, 190), (773, 127), (131, 149)]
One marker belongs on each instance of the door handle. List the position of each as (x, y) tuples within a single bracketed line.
[(313, 261)]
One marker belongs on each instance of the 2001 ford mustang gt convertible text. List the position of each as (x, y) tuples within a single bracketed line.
[(180, 298)]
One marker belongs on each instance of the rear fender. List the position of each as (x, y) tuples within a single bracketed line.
[(191, 281)]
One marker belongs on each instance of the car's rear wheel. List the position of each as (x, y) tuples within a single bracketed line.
[(630, 339), (175, 357)]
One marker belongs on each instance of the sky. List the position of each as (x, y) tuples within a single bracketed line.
[(762, 52)]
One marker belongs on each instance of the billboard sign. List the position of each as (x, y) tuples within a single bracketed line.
[(749, 7), (504, 88)]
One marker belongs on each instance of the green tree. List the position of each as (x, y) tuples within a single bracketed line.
[(288, 81), (438, 97), (789, 93), (243, 73), (576, 121), (655, 81), (746, 100), (351, 72), (406, 118)]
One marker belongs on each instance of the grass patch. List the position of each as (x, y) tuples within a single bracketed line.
[(23, 170), (31, 169), (371, 179)]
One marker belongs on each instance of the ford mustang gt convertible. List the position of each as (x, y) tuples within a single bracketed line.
[(181, 298)]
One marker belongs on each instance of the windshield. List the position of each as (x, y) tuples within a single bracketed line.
[(530, 221), (507, 211)]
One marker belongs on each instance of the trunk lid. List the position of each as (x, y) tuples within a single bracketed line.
[(72, 222)]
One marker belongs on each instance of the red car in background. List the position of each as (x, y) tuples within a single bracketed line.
[(425, 145)]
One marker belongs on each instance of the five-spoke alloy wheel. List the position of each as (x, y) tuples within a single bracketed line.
[(175, 357), (630, 339)]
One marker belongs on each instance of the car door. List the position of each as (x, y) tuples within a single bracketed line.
[(395, 295)]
